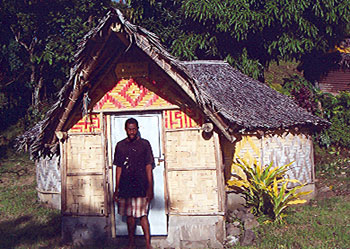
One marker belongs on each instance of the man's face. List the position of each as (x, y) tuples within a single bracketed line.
[(131, 131)]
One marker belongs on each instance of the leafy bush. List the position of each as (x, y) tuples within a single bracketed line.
[(302, 91), (332, 162), (335, 109), (266, 190)]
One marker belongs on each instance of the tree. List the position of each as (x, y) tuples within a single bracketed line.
[(249, 34), (38, 40)]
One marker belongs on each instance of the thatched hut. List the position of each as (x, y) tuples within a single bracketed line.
[(197, 115)]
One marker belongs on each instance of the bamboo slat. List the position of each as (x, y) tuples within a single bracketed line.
[(219, 173), (104, 164), (64, 148), (110, 176)]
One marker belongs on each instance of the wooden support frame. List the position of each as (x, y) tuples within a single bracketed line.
[(166, 188), (105, 163), (110, 175), (220, 175), (63, 166)]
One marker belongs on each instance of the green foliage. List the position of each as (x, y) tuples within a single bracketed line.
[(302, 91), (265, 189), (336, 109), (250, 34), (37, 42), (332, 162)]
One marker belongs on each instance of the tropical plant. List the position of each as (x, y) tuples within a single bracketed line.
[(266, 189)]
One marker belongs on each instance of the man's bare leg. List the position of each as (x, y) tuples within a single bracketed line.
[(131, 231), (146, 230)]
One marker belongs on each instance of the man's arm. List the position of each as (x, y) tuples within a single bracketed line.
[(117, 179), (149, 174)]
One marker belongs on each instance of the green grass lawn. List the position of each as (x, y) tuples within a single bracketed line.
[(25, 223), (319, 224)]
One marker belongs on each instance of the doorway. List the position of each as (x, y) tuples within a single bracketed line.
[(150, 128)]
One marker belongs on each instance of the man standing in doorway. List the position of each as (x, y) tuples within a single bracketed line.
[(134, 180)]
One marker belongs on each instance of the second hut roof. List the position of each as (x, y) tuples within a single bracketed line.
[(245, 101)]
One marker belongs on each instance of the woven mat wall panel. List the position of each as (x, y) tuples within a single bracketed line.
[(84, 154), (85, 195), (279, 149), (89, 123), (48, 174), (129, 94), (193, 191), (188, 149), (287, 148)]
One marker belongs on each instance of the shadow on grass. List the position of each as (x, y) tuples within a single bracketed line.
[(27, 232)]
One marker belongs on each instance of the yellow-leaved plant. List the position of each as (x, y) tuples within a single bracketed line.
[(265, 188)]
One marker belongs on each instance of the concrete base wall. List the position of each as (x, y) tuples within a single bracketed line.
[(234, 201), (194, 232), (309, 187), (85, 230), (52, 200)]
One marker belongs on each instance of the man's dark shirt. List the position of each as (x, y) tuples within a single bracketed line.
[(132, 157)]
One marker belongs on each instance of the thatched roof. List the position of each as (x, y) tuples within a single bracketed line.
[(244, 101), (231, 100)]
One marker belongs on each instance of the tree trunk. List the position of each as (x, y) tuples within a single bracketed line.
[(38, 82), (36, 79)]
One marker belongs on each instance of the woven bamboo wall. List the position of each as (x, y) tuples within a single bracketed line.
[(187, 149), (193, 191), (279, 148), (88, 124), (191, 173), (84, 187), (130, 94), (85, 194), (84, 154), (48, 176), (291, 147)]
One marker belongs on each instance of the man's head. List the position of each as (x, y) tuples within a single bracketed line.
[(131, 128)]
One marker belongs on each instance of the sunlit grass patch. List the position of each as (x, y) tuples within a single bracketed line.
[(319, 224)]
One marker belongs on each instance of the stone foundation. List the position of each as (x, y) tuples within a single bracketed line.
[(52, 200), (194, 232), (85, 230)]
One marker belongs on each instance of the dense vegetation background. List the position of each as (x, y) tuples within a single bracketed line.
[(38, 39)]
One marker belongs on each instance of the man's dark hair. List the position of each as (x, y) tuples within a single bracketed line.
[(131, 121)]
